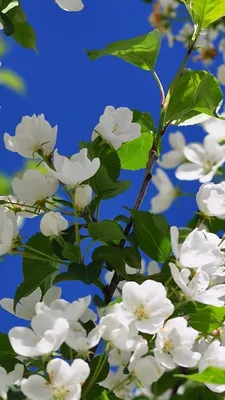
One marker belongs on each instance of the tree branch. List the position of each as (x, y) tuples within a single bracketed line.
[(152, 158)]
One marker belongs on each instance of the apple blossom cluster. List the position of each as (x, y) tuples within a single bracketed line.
[(143, 340), (210, 44), (194, 161), (33, 192), (157, 318)]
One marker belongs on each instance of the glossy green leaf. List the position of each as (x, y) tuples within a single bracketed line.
[(71, 252), (134, 155), (11, 80), (141, 51), (151, 235), (207, 319), (105, 231), (209, 375), (116, 258), (197, 94), (87, 274), (104, 187), (205, 12), (40, 243), (35, 279)]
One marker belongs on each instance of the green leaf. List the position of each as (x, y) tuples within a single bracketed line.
[(115, 258), (71, 252), (11, 80), (100, 363), (205, 12), (25, 35), (21, 30), (36, 271), (5, 346), (141, 51), (105, 231), (7, 354), (5, 185), (196, 94), (87, 274), (7, 24), (207, 319), (151, 235), (14, 393), (40, 243), (134, 155), (35, 279), (209, 375), (95, 393), (104, 187), (167, 381), (107, 155)]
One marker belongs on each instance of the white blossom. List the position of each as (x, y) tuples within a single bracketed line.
[(199, 249), (64, 381), (173, 345), (116, 127), (216, 128), (147, 370), (118, 331), (25, 309), (70, 5), (119, 357), (221, 74), (203, 160), (198, 288), (32, 134), (34, 186), (75, 170), (8, 379), (176, 156), (167, 192), (114, 381), (211, 199), (53, 223), (83, 196), (146, 305), (8, 231), (214, 356), (79, 340), (47, 334)]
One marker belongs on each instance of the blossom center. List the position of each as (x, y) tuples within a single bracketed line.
[(167, 346), (140, 313), (116, 130), (60, 393)]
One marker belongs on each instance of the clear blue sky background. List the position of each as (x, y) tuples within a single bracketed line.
[(73, 91)]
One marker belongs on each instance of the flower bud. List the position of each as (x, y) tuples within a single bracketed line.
[(83, 196), (53, 223)]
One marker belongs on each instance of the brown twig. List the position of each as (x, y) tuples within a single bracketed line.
[(152, 158)]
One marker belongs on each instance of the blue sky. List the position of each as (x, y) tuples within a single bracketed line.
[(72, 92)]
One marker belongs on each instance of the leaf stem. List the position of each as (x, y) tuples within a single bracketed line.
[(159, 83), (76, 225)]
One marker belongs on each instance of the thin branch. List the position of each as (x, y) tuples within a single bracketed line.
[(152, 158)]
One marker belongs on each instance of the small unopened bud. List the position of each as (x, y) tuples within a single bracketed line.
[(83, 196), (53, 223)]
